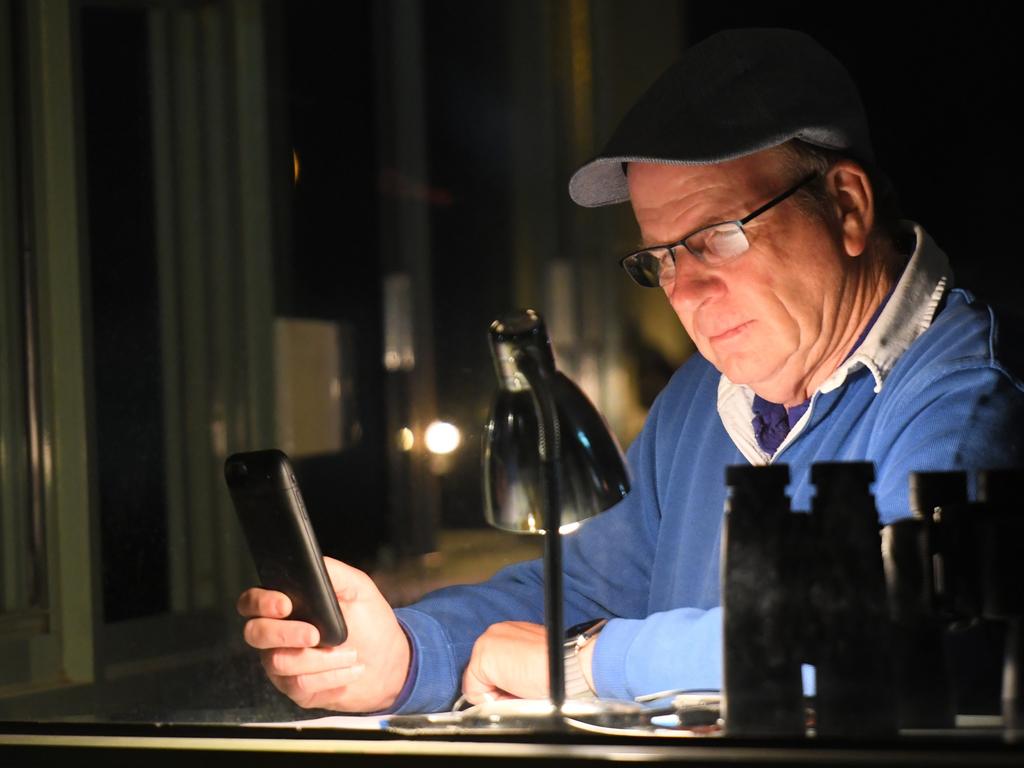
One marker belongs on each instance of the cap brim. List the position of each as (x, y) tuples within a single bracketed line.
[(602, 181)]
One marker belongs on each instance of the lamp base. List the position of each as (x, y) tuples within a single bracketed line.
[(514, 716)]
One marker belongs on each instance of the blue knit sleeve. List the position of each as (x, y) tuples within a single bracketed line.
[(679, 649)]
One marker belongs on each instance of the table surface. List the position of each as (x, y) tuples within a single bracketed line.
[(174, 744)]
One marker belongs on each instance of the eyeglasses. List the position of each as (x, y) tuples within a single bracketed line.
[(713, 245)]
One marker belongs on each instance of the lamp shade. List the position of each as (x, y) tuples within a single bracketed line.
[(592, 469)]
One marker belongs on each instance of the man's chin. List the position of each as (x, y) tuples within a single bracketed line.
[(743, 369), (737, 372), (757, 377)]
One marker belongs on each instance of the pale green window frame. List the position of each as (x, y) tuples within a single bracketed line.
[(218, 385), (53, 644)]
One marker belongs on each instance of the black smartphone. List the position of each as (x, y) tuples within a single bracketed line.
[(288, 559)]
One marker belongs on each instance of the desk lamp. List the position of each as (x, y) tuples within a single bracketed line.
[(550, 463)]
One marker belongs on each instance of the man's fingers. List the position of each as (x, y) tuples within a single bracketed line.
[(305, 661), (331, 677), (509, 660), (280, 633), (263, 602), (476, 689), (348, 583), (317, 689), (484, 696), (477, 692)]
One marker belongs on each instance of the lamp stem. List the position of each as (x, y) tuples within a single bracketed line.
[(550, 450), (553, 607)]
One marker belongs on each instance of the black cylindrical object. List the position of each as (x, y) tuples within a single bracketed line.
[(1001, 562), (1001, 543), (763, 692), (940, 499), (855, 692), (1013, 677), (921, 664)]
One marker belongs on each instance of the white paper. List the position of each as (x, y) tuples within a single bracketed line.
[(348, 722)]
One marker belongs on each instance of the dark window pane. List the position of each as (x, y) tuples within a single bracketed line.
[(126, 354)]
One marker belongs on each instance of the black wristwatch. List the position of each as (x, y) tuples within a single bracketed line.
[(576, 686)]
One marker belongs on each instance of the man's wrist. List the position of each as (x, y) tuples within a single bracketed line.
[(586, 656), (578, 658), (409, 681)]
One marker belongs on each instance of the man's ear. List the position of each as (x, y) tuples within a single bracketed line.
[(853, 200)]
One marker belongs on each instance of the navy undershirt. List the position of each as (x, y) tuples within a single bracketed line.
[(773, 421)]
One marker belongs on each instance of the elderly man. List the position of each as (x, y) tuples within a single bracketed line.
[(828, 331)]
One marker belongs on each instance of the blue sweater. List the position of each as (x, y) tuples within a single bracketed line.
[(919, 394)]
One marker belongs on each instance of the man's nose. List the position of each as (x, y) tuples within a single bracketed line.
[(694, 283)]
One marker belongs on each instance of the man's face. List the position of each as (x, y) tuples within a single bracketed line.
[(773, 317)]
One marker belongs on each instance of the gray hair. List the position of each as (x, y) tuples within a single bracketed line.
[(804, 159)]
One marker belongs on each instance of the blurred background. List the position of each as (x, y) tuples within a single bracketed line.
[(236, 224)]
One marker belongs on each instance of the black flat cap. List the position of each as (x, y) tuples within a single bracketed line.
[(734, 93)]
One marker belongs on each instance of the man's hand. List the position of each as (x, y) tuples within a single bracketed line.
[(363, 674), (509, 660)]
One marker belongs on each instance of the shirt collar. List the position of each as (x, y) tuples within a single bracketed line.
[(906, 315)]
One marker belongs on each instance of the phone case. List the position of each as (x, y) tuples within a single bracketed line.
[(281, 539)]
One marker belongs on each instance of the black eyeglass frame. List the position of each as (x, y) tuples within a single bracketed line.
[(670, 247)]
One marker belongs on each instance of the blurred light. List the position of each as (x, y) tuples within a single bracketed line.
[(569, 527), (442, 437), (405, 439), (295, 165), (399, 354)]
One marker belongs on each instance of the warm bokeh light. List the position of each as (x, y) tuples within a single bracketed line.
[(442, 437), (405, 439), (295, 166)]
